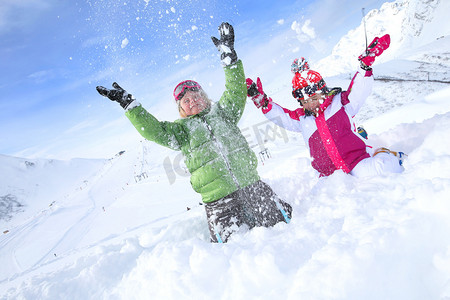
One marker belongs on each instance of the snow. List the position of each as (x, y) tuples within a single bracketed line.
[(120, 228), (125, 42)]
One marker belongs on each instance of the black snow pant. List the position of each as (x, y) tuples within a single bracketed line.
[(256, 205)]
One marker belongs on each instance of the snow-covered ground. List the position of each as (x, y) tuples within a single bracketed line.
[(130, 227)]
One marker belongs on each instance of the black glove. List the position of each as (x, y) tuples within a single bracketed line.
[(252, 90), (117, 94), (226, 44)]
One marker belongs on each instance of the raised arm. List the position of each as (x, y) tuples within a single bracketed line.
[(283, 117), (233, 99), (359, 89), (166, 134)]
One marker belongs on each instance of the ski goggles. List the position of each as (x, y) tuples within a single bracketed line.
[(313, 88), (183, 87)]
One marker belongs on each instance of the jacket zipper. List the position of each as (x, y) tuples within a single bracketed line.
[(219, 147)]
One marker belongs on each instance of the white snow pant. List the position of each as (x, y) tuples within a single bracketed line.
[(382, 163)]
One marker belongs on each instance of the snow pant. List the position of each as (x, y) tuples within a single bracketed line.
[(382, 163), (254, 206)]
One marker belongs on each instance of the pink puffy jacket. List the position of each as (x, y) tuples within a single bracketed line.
[(331, 136)]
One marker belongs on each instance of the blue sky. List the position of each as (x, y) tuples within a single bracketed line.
[(53, 53)]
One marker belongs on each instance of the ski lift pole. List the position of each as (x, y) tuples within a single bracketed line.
[(364, 21)]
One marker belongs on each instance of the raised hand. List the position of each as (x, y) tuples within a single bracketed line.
[(226, 44), (117, 94), (255, 91)]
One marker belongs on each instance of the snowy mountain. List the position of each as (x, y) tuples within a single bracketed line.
[(130, 226), (411, 25)]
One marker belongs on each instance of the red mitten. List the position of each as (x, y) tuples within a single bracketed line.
[(375, 48)]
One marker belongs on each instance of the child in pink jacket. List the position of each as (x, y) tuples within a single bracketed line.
[(325, 121)]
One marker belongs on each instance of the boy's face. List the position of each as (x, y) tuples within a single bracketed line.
[(192, 103)]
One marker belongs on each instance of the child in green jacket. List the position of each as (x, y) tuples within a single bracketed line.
[(218, 157)]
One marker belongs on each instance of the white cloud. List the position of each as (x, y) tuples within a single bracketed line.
[(82, 126), (42, 76), (305, 32), (20, 13)]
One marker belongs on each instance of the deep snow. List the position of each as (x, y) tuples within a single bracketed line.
[(120, 228)]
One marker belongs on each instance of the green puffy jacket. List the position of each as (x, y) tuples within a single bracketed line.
[(215, 151)]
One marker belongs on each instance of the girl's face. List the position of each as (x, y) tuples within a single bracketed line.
[(192, 103), (313, 103)]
